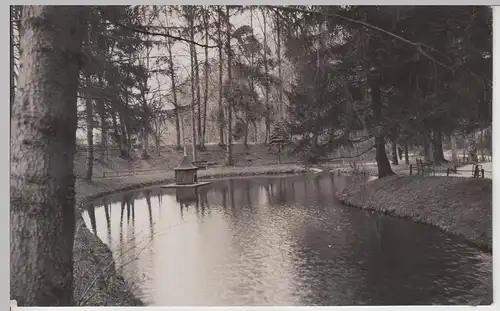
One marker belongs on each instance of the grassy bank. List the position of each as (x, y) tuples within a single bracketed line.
[(461, 206), (169, 157), (93, 261)]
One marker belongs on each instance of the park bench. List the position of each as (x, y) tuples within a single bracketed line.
[(423, 167), (203, 164)]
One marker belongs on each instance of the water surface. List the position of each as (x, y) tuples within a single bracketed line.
[(278, 241)]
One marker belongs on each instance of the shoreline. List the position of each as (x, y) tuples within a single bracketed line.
[(108, 287), (448, 210)]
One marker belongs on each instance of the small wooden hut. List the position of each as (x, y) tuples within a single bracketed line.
[(186, 173)]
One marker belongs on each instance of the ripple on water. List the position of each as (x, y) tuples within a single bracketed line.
[(287, 241)]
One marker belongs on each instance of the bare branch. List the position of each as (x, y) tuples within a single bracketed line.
[(166, 35), (351, 157)]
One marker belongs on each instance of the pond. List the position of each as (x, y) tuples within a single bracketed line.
[(279, 241)]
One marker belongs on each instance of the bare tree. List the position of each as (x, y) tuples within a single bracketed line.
[(266, 69), (205, 95), (221, 50), (192, 48), (229, 155)]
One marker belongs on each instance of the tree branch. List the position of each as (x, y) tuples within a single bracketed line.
[(418, 45), (350, 157), (166, 35)]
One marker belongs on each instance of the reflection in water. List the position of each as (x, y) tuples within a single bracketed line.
[(278, 241)]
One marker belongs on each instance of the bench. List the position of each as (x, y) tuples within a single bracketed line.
[(203, 164), (423, 168)]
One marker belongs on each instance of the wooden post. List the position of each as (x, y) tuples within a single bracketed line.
[(482, 173), (448, 171), (411, 168)]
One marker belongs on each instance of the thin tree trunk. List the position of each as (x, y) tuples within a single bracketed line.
[(229, 151), (12, 61), (394, 148), (266, 70), (205, 95), (221, 110), (407, 158), (428, 150), (90, 138), (278, 48), (145, 111), (145, 128), (193, 99), (125, 146), (464, 150), (482, 145), (384, 167), (104, 127), (43, 144), (176, 104), (453, 143), (104, 130), (124, 150), (438, 148), (246, 125), (198, 95)]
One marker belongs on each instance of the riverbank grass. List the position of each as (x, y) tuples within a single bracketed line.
[(457, 205)]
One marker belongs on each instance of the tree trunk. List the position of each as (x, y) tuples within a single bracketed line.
[(90, 138), (453, 143), (278, 49), (205, 95), (12, 61), (407, 158), (124, 149), (471, 140), (394, 151), (464, 146), (482, 145), (197, 83), (101, 105), (125, 139), (145, 111), (193, 99), (245, 133), (438, 148), (246, 125), (221, 110), (428, 150), (104, 130), (174, 92), (43, 144), (384, 167), (229, 151), (266, 70), (145, 128)]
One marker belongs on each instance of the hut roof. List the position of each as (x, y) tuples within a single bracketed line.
[(186, 165)]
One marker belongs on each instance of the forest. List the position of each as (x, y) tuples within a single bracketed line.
[(313, 78)]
